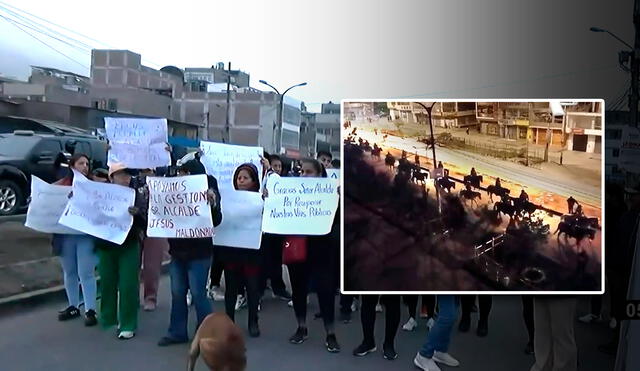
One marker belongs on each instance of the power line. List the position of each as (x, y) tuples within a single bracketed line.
[(45, 34), (47, 45), (54, 24), (158, 65), (41, 27)]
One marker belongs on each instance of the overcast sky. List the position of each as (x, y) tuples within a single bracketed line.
[(351, 49)]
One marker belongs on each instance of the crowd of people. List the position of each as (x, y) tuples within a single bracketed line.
[(198, 266)]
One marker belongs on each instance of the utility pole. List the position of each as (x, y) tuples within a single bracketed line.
[(228, 137), (527, 136), (635, 66), (548, 141), (433, 148)]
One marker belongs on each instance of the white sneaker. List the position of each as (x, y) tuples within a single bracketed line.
[(378, 308), (290, 302), (590, 318), (424, 363), (126, 335), (445, 359), (410, 325), (215, 294), (430, 323), (241, 302), (354, 305), (613, 323), (189, 299)]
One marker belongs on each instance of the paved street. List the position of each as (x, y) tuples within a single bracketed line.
[(577, 188), (34, 340)]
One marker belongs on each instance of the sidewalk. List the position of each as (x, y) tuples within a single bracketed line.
[(26, 262)]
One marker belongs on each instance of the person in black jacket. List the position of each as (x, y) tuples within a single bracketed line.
[(321, 267), (242, 266), (190, 261)]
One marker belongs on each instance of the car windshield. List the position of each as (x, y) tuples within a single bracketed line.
[(15, 145)]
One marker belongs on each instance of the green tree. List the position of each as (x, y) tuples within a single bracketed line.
[(380, 108)]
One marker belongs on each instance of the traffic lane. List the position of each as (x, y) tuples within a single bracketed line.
[(34, 340), (485, 166)]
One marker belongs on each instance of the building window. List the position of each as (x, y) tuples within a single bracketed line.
[(616, 152), (113, 105)]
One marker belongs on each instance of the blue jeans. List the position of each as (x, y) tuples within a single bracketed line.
[(79, 262), (188, 275), (439, 337)]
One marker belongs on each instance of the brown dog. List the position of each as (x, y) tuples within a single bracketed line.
[(221, 344)]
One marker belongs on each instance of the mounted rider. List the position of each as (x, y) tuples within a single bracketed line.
[(524, 197)]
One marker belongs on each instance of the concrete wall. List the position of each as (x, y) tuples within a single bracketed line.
[(22, 90)]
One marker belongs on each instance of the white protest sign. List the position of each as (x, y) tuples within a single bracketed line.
[(47, 204), (221, 161), (300, 206), (138, 143), (333, 173), (630, 150), (241, 220), (178, 207), (99, 209)]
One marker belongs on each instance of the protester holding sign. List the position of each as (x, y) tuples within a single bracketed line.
[(325, 158), (153, 251), (78, 259), (243, 263), (119, 265), (190, 261), (271, 245), (320, 265), (138, 143)]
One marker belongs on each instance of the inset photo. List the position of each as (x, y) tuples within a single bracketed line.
[(467, 196)]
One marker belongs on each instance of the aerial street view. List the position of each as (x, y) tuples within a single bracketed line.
[(473, 195)]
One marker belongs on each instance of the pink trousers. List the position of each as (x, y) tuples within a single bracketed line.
[(153, 252)]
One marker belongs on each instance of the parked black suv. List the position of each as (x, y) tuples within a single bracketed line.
[(25, 153)]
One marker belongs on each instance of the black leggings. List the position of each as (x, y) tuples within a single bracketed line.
[(428, 301), (368, 317), (527, 315), (300, 275), (271, 247), (484, 302), (235, 279), (215, 273)]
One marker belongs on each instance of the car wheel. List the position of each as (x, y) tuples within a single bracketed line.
[(11, 197)]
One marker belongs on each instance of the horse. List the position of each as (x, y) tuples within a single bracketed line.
[(468, 195), (390, 161), (525, 207), (446, 184), (404, 166), (581, 220), (505, 208), (473, 180), (575, 230), (498, 191), (420, 177), (375, 152)]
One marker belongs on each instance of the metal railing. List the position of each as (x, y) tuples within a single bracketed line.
[(488, 246)]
